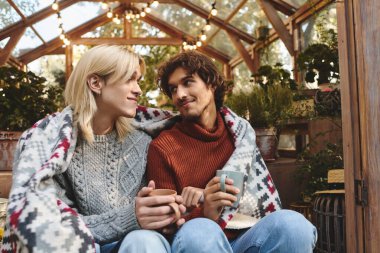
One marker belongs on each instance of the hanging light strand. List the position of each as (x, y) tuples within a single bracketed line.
[(61, 31), (202, 37)]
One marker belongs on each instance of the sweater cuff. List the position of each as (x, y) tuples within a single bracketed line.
[(128, 218)]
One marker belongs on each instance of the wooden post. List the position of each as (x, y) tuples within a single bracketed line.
[(359, 57), (69, 60)]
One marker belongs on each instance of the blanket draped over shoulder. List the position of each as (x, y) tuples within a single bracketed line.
[(37, 221), (260, 195)]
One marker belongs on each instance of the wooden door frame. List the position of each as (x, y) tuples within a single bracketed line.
[(359, 53)]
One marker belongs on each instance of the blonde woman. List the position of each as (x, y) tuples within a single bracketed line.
[(87, 165)]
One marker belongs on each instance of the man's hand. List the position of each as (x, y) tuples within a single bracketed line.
[(153, 212), (215, 199), (191, 196)]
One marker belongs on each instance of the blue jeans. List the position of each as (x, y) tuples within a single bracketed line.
[(141, 241), (282, 231)]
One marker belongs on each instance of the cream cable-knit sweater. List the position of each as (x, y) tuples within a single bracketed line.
[(102, 180)]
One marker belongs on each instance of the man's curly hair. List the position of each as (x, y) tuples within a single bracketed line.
[(194, 63)]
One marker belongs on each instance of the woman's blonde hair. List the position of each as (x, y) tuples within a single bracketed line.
[(113, 64)]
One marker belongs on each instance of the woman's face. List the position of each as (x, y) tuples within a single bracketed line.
[(120, 98)]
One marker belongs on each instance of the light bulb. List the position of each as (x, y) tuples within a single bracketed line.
[(207, 27), (214, 12), (54, 6), (203, 37), (199, 43), (137, 16), (109, 14), (104, 6), (155, 4), (60, 29), (62, 36), (143, 14), (148, 9)]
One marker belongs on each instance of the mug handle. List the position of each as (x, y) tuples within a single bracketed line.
[(223, 182), (175, 208)]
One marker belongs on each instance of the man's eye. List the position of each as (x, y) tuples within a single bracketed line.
[(173, 89)]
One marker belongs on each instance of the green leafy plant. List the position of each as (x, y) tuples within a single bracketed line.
[(313, 172), (268, 100), (25, 98)]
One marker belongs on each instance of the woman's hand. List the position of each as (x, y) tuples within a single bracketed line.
[(152, 212), (215, 199), (192, 196)]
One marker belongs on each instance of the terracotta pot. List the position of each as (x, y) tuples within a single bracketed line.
[(8, 142), (267, 142)]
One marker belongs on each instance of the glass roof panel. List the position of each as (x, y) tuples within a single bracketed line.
[(224, 7), (29, 7), (222, 42), (141, 29), (180, 18), (4, 42), (109, 30), (79, 13), (8, 15), (48, 28), (27, 42), (249, 17), (296, 3)]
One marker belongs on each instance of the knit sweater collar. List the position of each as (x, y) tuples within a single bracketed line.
[(198, 132), (109, 137)]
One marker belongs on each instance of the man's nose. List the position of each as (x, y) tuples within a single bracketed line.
[(181, 92)]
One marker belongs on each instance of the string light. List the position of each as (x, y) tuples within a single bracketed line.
[(55, 6), (109, 13), (154, 4), (214, 11), (203, 36), (207, 26), (105, 6)]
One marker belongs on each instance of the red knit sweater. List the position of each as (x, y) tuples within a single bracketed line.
[(188, 155)]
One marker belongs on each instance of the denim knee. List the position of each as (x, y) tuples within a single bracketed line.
[(294, 227), (200, 235), (144, 241)]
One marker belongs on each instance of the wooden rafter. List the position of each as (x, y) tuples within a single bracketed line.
[(176, 33), (243, 52), (283, 7), (134, 1), (278, 25), (228, 19), (217, 21), (303, 13), (34, 18), (11, 3), (77, 32), (11, 44), (130, 41)]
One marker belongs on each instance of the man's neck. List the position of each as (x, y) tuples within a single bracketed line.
[(207, 119)]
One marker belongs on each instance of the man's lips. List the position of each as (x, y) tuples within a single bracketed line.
[(184, 103)]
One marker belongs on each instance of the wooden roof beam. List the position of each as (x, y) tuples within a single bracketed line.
[(243, 52), (77, 32), (217, 21), (232, 14), (130, 41), (278, 25), (11, 44), (283, 7), (34, 18), (176, 33)]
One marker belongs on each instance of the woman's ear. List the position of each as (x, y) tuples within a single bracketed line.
[(95, 83)]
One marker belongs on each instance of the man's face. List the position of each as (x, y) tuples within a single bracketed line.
[(192, 97)]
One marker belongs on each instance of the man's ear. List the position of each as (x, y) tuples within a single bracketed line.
[(95, 83)]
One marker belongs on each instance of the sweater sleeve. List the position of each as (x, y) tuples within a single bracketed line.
[(105, 227), (161, 171), (159, 168)]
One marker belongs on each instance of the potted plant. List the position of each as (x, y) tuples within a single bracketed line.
[(262, 32), (25, 98), (266, 102), (313, 173)]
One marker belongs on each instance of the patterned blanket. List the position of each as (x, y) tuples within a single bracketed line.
[(39, 222)]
